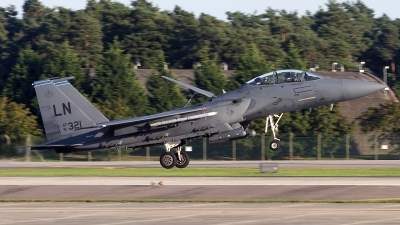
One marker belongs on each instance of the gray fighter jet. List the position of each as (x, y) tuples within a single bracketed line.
[(73, 124)]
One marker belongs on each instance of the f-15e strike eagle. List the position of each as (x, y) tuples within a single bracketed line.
[(73, 124)]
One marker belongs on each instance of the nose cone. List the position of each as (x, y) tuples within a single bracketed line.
[(353, 89)]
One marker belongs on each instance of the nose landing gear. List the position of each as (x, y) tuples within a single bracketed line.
[(273, 145), (180, 159)]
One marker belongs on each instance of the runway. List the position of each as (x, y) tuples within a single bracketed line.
[(198, 213), (7, 164), (200, 188)]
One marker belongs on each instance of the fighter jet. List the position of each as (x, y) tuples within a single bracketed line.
[(73, 124)]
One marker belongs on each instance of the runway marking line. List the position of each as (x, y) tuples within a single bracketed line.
[(48, 219), (158, 219), (280, 218), (374, 221)]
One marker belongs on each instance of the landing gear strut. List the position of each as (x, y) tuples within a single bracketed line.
[(273, 145), (180, 159)]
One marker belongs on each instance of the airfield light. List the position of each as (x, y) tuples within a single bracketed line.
[(334, 67), (314, 67), (136, 65), (360, 67), (385, 76), (224, 66), (341, 67)]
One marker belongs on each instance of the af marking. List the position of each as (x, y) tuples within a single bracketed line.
[(65, 109)]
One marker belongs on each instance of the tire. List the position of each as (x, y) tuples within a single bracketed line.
[(274, 145), (185, 160), (168, 160)]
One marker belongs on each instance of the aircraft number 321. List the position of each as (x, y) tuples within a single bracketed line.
[(75, 125)]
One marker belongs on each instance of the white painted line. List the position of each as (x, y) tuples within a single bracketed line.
[(371, 221), (158, 219), (48, 219), (280, 218)]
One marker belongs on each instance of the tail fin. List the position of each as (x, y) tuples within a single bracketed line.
[(80, 101), (62, 118)]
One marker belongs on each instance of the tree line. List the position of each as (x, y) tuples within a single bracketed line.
[(111, 38)]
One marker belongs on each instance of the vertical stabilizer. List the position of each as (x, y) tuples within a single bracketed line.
[(79, 100), (62, 118)]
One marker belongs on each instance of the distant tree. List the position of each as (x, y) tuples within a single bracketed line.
[(65, 63), (293, 59), (251, 64), (29, 68), (116, 81), (384, 121), (253, 29), (34, 17), (146, 36), (219, 36), (3, 49), (114, 17), (86, 38), (165, 95), (208, 75), (183, 39), (385, 46), (16, 121)]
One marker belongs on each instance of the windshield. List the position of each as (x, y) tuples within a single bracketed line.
[(283, 76)]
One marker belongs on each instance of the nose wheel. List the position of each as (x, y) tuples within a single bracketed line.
[(274, 145)]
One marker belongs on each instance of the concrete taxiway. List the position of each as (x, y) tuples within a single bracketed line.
[(198, 213)]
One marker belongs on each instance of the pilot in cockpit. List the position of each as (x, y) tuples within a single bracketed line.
[(288, 77), (257, 81)]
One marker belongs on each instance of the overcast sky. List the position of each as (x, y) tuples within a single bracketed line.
[(218, 8)]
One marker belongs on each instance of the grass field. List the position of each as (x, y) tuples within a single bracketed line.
[(195, 172)]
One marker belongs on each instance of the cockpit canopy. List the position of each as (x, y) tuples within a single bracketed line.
[(284, 76)]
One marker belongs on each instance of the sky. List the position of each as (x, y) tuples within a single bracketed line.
[(218, 8)]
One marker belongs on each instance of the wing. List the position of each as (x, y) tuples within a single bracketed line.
[(198, 90), (143, 119), (146, 123)]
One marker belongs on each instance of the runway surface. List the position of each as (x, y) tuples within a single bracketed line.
[(205, 181), (198, 213), (289, 188), (199, 188), (7, 164)]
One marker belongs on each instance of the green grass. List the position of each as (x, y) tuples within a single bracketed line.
[(195, 172)]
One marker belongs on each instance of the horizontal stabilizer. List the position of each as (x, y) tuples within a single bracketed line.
[(198, 90)]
